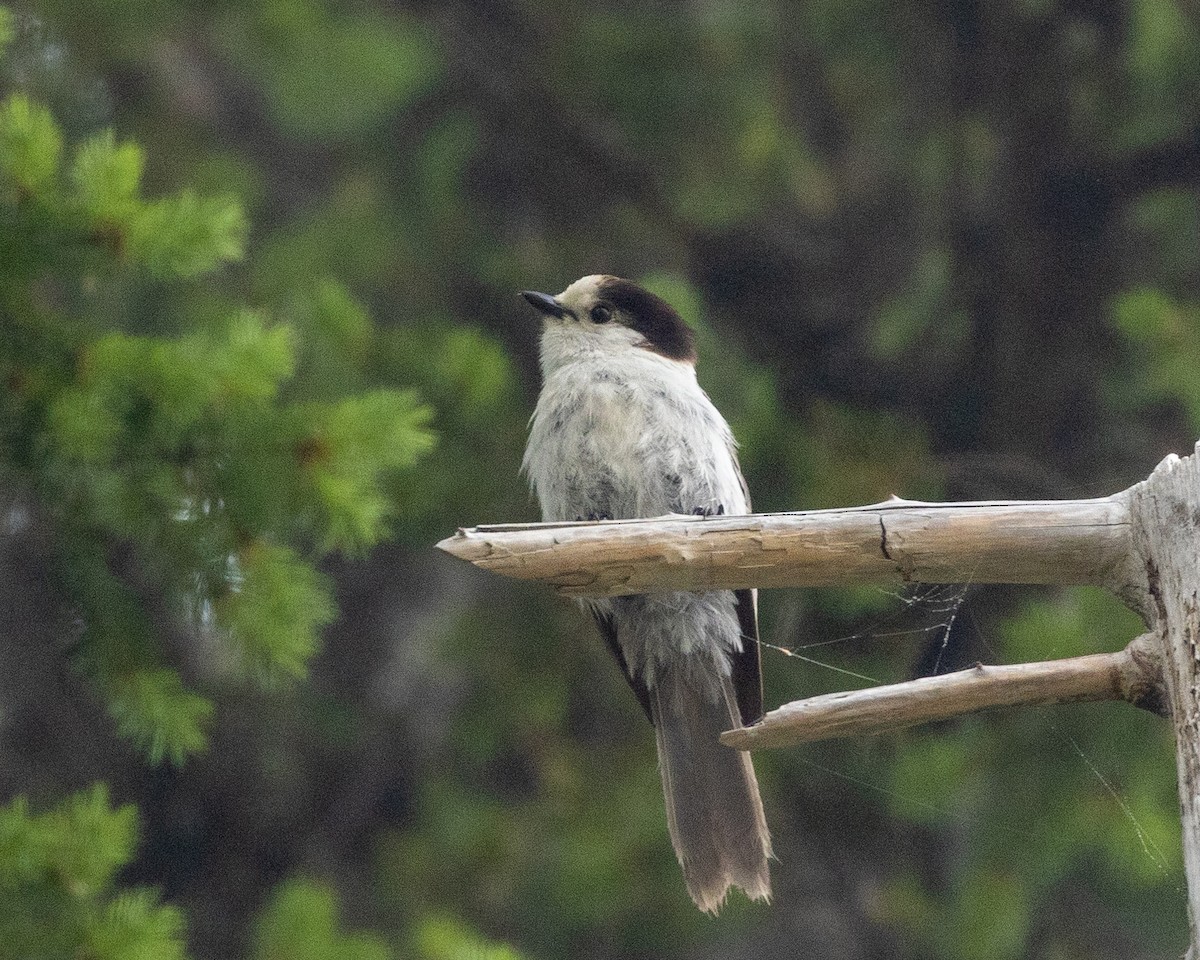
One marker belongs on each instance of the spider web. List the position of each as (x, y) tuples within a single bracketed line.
[(936, 605), (928, 614)]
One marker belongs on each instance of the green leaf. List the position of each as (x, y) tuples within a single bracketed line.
[(354, 443), (187, 235), (470, 365), (56, 874), (158, 714), (136, 927), (274, 610), (84, 425), (301, 923), (248, 360), (94, 840), (30, 143), (107, 177)]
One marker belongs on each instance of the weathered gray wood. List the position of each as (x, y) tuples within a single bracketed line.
[(1132, 674), (1043, 542), (1165, 511), (1143, 543)]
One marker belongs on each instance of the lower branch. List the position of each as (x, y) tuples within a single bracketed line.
[(1133, 674)]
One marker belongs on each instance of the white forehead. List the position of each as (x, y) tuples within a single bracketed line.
[(584, 290)]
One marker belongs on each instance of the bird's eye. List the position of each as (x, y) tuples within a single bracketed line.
[(601, 313)]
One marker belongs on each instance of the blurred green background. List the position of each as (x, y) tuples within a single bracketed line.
[(260, 347)]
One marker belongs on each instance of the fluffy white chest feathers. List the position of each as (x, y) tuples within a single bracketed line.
[(626, 432)]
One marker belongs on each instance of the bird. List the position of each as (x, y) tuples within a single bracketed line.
[(622, 429)]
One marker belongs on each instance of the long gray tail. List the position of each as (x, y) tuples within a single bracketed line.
[(714, 812)]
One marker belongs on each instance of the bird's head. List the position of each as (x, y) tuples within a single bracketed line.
[(608, 313)]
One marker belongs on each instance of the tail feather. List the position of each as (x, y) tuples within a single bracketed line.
[(714, 812)]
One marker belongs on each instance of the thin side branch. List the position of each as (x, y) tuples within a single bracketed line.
[(1035, 541), (1133, 674)]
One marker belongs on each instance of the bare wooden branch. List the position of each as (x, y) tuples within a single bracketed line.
[(1142, 543), (1035, 541), (1165, 509), (1132, 674)]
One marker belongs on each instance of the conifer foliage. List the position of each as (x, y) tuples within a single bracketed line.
[(190, 468), (190, 482), (56, 870)]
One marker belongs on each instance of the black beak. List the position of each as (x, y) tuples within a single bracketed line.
[(544, 303)]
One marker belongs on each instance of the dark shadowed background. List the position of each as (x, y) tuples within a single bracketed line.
[(943, 249)]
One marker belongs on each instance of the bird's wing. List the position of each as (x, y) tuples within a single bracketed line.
[(737, 468), (608, 630), (747, 666)]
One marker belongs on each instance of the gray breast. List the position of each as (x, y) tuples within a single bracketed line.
[(609, 446)]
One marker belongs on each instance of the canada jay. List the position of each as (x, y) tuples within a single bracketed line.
[(621, 430)]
